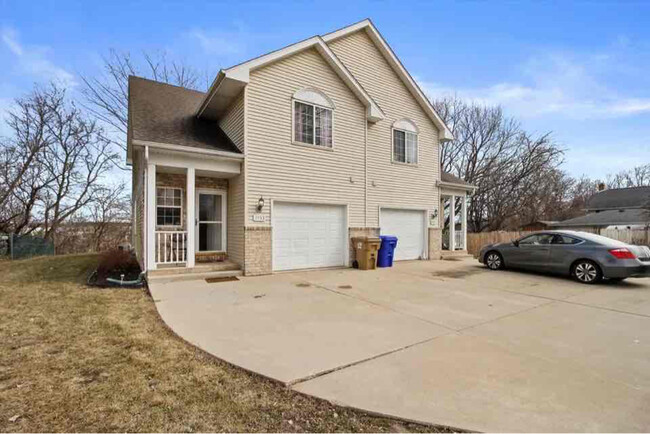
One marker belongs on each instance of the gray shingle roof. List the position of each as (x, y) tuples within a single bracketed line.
[(609, 218), (618, 198), (452, 179), (163, 113)]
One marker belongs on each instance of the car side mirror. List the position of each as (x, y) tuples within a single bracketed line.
[(516, 243)]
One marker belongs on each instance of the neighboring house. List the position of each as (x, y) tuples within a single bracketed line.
[(619, 207), (286, 157), (537, 225)]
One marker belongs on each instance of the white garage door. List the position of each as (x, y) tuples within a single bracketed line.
[(308, 236), (408, 227)]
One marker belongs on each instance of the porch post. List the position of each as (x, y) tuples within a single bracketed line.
[(464, 222), (190, 204), (452, 223), (151, 216)]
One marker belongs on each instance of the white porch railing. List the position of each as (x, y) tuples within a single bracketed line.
[(171, 247), (458, 239)]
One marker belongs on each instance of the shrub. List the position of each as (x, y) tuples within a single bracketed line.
[(117, 262)]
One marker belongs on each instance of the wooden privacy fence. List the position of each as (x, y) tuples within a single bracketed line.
[(475, 241)]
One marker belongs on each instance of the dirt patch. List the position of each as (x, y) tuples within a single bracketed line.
[(303, 285), (344, 287), (221, 279), (457, 274)]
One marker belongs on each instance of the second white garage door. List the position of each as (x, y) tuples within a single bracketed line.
[(308, 236), (408, 227)]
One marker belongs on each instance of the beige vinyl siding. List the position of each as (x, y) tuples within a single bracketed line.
[(395, 185), (232, 123), (236, 220), (279, 170)]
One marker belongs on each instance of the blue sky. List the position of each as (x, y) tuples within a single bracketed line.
[(577, 69)]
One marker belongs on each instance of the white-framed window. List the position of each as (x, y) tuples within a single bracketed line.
[(169, 206), (405, 142), (313, 118)]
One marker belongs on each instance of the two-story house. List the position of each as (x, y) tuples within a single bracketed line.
[(289, 155)]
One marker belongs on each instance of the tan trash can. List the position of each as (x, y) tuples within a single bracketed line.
[(365, 250)]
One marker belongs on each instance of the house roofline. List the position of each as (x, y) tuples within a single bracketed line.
[(189, 149), (398, 66), (239, 74)]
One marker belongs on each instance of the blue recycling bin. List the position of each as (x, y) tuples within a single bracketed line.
[(386, 251)]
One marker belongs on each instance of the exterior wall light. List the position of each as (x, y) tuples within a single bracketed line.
[(260, 204)]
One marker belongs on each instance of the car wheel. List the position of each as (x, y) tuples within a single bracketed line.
[(586, 271), (494, 260)]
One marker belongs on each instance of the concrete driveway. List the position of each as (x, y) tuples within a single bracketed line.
[(441, 342)]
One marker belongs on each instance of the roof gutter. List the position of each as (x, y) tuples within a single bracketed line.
[(188, 149), (466, 187), (211, 92)]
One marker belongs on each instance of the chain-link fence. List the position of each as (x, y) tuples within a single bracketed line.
[(14, 246)]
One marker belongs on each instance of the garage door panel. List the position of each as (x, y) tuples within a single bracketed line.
[(308, 236), (408, 227)]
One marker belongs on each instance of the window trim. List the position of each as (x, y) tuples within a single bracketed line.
[(293, 125), (167, 206), (392, 147)]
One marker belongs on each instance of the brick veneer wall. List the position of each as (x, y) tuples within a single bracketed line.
[(178, 180), (257, 250), (435, 243)]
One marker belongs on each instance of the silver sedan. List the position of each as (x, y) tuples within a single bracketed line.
[(587, 257)]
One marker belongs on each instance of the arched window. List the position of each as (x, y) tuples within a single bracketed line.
[(313, 118), (405, 142)]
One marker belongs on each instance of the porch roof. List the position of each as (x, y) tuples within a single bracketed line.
[(447, 180), (162, 113)]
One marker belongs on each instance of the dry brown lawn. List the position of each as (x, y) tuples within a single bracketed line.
[(80, 359)]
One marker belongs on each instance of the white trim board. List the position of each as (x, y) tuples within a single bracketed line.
[(398, 67), (239, 75)]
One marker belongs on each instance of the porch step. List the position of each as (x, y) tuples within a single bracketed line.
[(446, 254), (200, 271), (167, 278)]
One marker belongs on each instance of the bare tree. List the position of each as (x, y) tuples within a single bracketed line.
[(110, 215), (638, 176), (22, 178), (494, 153), (59, 159), (106, 96)]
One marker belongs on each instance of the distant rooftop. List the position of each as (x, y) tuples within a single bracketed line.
[(613, 217), (620, 198)]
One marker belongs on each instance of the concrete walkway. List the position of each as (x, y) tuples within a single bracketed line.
[(442, 342)]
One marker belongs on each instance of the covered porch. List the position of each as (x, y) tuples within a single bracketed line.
[(454, 197), (188, 198)]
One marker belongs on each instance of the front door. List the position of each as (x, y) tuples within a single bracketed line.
[(211, 221)]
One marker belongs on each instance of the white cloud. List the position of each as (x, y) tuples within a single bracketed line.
[(216, 43), (33, 60), (554, 84)]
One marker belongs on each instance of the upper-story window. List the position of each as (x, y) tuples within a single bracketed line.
[(405, 142), (313, 118)]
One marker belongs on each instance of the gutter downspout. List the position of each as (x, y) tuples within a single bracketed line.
[(365, 174), (145, 249)]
